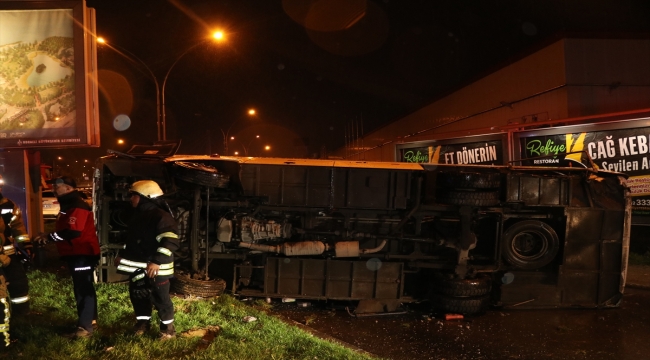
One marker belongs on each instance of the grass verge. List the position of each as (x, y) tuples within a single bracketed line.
[(39, 335)]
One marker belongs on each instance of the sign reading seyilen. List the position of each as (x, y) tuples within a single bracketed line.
[(621, 150)]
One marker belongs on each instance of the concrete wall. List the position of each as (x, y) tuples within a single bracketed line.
[(569, 78), (607, 75)]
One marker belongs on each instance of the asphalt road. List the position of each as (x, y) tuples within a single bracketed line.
[(619, 333)]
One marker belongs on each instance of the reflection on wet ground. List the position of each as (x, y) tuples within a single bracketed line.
[(620, 333)]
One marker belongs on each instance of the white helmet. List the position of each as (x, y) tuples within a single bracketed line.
[(147, 188)]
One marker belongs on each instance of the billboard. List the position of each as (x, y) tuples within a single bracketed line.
[(48, 93), (622, 147), (479, 150)]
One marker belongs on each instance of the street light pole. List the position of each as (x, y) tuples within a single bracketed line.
[(164, 117), (225, 137), (217, 36), (133, 58), (161, 119), (248, 145), (251, 113)]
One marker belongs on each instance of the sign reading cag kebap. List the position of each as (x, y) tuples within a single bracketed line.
[(621, 150)]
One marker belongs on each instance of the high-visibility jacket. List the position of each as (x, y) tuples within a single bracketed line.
[(13, 236), (75, 232), (152, 236), (11, 226)]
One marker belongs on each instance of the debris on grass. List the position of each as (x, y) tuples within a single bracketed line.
[(309, 319), (207, 335)]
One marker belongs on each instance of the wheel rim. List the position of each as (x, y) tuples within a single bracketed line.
[(529, 245)]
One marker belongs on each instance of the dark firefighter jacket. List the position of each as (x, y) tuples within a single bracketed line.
[(152, 237), (75, 232), (11, 226)]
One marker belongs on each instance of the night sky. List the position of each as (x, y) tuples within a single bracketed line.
[(312, 68)]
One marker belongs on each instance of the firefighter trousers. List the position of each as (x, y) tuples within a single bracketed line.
[(159, 299), (82, 269), (18, 286), (5, 313)]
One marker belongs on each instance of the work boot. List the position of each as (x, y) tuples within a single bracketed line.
[(167, 332), (80, 333), (141, 327)]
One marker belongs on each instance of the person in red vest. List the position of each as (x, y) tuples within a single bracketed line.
[(76, 240)]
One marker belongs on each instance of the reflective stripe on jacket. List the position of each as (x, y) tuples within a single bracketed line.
[(128, 267), (152, 237)]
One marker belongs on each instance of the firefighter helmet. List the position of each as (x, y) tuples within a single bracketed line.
[(146, 188)]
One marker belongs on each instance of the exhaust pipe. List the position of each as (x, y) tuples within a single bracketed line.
[(341, 249)]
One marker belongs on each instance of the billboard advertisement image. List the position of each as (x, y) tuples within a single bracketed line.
[(478, 153), (625, 150), (43, 100)]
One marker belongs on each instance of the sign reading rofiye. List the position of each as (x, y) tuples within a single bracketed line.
[(621, 150), (480, 153)]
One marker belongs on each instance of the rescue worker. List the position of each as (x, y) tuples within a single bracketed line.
[(5, 340), (152, 238), (76, 240), (14, 239)]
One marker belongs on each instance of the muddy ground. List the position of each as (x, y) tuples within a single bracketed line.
[(620, 333)]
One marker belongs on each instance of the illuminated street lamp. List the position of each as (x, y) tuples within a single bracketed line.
[(120, 141), (247, 146), (161, 118), (216, 36), (131, 57), (251, 113), (54, 165)]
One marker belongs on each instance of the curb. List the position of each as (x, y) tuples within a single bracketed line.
[(637, 286)]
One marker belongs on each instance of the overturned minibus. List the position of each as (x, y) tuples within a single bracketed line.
[(381, 234)]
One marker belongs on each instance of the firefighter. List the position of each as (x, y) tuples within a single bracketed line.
[(14, 240), (148, 259), (76, 240), (4, 306)]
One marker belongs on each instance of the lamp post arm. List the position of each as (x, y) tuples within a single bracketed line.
[(225, 136), (135, 59), (164, 117), (225, 142)]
